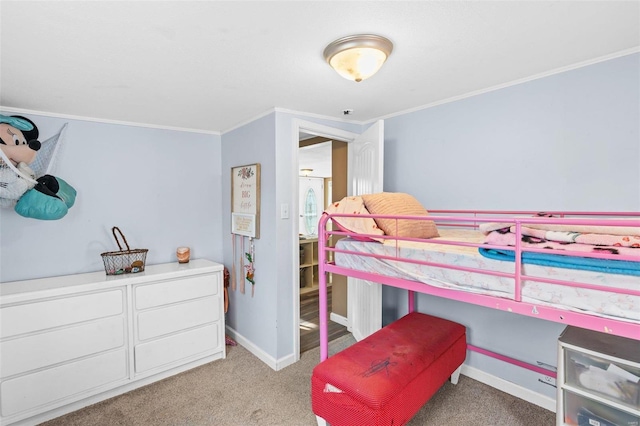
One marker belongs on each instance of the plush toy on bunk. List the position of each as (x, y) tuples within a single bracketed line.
[(25, 164)]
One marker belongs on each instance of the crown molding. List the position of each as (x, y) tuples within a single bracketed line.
[(104, 121), (560, 70), (292, 112)]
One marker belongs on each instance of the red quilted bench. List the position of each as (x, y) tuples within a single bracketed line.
[(387, 377)]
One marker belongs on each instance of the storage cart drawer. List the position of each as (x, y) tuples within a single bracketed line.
[(583, 411), (615, 381)]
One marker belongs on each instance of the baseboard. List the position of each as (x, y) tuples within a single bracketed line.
[(275, 364), (285, 362), (510, 388), (339, 319), (471, 372)]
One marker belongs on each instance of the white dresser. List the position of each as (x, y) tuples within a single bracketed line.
[(70, 341)]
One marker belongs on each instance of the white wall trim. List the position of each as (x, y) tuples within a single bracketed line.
[(248, 345), (288, 111), (275, 364), (513, 83), (286, 361), (509, 387), (319, 116), (339, 319), (250, 120), (320, 130), (105, 121)]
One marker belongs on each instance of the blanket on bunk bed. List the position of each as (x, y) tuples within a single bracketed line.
[(556, 238)]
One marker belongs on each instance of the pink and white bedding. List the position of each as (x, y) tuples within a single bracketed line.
[(593, 289), (598, 302), (576, 268)]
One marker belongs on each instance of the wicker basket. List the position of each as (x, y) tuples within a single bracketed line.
[(123, 261)]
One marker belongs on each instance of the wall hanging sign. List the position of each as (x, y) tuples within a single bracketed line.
[(245, 220), (245, 200)]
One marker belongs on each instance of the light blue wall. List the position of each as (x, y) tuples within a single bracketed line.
[(266, 319), (162, 188), (570, 141), (254, 318), (567, 141)]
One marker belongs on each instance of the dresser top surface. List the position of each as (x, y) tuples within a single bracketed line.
[(69, 283)]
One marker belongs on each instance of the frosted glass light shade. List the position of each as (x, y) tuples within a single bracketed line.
[(358, 57)]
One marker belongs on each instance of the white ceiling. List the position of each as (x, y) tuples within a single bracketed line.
[(317, 158), (214, 65)]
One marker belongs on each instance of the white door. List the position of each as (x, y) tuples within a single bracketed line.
[(365, 176)]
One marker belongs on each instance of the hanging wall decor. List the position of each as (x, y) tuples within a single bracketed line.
[(245, 220), (245, 200)]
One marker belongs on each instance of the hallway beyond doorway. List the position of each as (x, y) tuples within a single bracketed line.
[(310, 321)]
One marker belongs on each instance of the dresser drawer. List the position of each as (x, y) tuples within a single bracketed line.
[(22, 354), (55, 384), (176, 347), (32, 317), (165, 320), (163, 293)]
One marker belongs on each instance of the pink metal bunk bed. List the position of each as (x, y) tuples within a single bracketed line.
[(358, 256)]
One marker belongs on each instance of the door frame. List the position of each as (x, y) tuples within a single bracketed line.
[(315, 129)]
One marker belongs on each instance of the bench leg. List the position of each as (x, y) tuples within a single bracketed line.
[(321, 421), (456, 375)]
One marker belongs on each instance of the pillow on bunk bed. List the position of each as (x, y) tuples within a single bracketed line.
[(400, 204), (364, 225)]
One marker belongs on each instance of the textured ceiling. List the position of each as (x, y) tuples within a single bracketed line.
[(214, 65)]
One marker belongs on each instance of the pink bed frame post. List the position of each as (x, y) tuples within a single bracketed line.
[(411, 296), (517, 296), (322, 288)]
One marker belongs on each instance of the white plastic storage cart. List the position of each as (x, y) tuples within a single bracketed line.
[(598, 379)]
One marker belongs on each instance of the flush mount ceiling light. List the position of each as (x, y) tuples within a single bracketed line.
[(306, 172), (358, 57)]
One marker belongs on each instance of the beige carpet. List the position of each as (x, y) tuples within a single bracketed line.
[(241, 390)]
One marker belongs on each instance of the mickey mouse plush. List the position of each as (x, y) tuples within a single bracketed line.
[(17, 131), (19, 143), (47, 197)]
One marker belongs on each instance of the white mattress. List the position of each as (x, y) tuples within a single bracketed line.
[(577, 299)]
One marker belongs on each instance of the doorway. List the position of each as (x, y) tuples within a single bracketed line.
[(323, 167), (364, 170)]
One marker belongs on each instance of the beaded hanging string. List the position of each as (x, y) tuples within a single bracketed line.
[(250, 255), (241, 265), (249, 267), (233, 265)]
